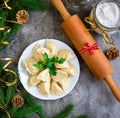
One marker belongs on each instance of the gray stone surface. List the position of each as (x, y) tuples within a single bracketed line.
[(90, 96)]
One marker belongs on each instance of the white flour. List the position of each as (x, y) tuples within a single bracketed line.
[(108, 14)]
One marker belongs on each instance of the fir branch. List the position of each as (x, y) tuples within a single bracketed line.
[(2, 97), (65, 112), (82, 116), (34, 4), (1, 69), (12, 110), (25, 112), (34, 105), (3, 15), (1, 94), (3, 116), (10, 36), (6, 36), (10, 93)]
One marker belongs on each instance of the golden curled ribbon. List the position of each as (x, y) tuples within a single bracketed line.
[(9, 71), (4, 42), (107, 38), (6, 5), (11, 21), (3, 28)]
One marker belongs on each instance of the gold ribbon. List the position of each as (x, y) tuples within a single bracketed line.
[(5, 2), (3, 28), (11, 21), (4, 108), (8, 71), (107, 38), (5, 5)]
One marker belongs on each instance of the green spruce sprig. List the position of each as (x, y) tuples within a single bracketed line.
[(82, 116), (7, 35), (49, 63), (66, 112), (34, 4), (34, 105), (6, 95)]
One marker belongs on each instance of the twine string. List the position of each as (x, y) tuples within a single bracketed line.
[(107, 38)]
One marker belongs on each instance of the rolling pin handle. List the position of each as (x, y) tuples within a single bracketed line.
[(113, 86), (61, 8)]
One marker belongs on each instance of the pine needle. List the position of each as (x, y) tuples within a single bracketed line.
[(1, 97), (25, 112), (2, 94), (3, 15), (12, 110), (34, 4), (34, 105), (82, 116), (16, 5), (10, 93), (64, 114)]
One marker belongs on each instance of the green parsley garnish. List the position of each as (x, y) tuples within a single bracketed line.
[(49, 63)]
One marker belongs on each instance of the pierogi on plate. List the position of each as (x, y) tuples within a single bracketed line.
[(40, 75)]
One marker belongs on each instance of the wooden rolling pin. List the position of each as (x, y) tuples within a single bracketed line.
[(87, 47)]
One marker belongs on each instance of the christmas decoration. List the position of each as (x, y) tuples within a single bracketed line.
[(18, 108), (6, 73), (90, 48), (67, 110), (112, 53), (17, 101), (12, 15), (82, 116), (22, 16), (19, 105)]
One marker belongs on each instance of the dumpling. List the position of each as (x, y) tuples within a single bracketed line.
[(65, 64), (38, 52), (56, 89), (35, 53), (50, 45), (44, 75), (44, 88), (67, 54), (71, 70), (60, 75), (32, 81), (65, 83), (28, 63)]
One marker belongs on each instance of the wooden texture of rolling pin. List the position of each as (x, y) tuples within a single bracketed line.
[(87, 47)]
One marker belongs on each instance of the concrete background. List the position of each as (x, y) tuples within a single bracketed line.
[(90, 96)]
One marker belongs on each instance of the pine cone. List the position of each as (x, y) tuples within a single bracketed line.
[(22, 16), (112, 53), (17, 101)]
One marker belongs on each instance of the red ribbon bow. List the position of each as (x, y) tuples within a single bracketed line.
[(90, 48)]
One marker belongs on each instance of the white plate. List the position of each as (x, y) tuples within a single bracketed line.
[(23, 74)]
